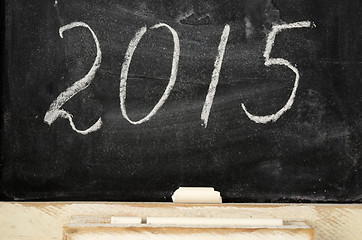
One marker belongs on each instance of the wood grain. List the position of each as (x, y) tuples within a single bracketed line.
[(135, 233), (19, 221)]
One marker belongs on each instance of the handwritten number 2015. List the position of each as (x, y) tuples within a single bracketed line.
[(55, 110)]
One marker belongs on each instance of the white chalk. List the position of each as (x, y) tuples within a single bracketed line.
[(126, 220), (55, 110), (208, 189), (125, 68), (214, 221), (196, 195), (215, 76), (278, 61)]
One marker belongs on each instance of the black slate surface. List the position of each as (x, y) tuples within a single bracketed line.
[(311, 154)]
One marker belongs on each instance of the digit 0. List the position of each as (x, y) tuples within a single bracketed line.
[(125, 68)]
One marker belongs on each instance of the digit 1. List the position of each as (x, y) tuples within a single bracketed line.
[(215, 76)]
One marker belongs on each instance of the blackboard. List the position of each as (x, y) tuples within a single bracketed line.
[(281, 80)]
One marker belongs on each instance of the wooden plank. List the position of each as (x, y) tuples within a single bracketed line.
[(44, 220), (153, 233), (88, 228)]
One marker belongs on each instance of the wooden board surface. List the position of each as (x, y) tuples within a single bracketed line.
[(178, 233), (102, 228), (43, 221)]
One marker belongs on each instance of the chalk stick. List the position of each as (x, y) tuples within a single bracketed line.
[(126, 220), (214, 221), (196, 195), (208, 189)]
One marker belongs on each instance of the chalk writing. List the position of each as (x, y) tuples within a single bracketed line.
[(215, 76), (278, 61), (125, 67), (54, 111)]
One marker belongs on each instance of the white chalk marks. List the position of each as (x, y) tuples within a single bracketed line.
[(215, 76), (125, 68), (54, 111), (278, 61)]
